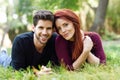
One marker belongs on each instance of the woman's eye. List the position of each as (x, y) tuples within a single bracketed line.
[(65, 24), (58, 28)]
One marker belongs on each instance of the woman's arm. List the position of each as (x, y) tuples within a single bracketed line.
[(63, 53), (87, 46), (97, 49), (92, 59), (81, 59)]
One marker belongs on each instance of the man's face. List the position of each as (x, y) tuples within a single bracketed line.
[(43, 31)]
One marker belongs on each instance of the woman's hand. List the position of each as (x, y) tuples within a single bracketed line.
[(87, 44)]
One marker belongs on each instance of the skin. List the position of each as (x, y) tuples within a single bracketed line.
[(67, 31), (42, 33)]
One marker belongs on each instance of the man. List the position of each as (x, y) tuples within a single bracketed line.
[(35, 48)]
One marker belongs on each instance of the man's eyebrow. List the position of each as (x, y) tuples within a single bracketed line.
[(40, 26)]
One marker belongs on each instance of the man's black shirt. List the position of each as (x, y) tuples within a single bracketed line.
[(24, 53)]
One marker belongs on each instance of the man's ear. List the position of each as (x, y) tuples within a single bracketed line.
[(33, 28)]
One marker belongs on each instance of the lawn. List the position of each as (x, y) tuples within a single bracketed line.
[(109, 72)]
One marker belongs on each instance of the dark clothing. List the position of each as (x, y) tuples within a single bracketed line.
[(24, 53), (64, 49)]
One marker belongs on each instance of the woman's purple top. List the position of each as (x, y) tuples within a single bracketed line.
[(64, 49)]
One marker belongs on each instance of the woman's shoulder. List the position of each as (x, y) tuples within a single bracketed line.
[(60, 40), (92, 35), (95, 37)]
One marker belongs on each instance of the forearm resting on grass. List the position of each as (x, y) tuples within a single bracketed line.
[(92, 59), (81, 59), (87, 46)]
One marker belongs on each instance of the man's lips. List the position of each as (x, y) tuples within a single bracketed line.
[(43, 38)]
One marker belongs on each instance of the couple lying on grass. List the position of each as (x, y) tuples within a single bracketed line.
[(70, 46)]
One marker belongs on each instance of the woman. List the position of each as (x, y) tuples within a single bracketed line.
[(74, 46)]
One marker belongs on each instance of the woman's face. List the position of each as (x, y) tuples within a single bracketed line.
[(65, 29)]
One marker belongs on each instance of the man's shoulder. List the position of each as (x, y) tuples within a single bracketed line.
[(24, 36), (53, 37)]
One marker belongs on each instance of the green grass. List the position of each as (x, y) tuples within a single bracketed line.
[(111, 71)]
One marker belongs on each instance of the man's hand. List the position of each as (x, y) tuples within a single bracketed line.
[(44, 71)]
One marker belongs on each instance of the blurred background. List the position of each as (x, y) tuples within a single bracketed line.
[(101, 16)]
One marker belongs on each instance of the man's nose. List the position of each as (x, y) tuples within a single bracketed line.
[(44, 31)]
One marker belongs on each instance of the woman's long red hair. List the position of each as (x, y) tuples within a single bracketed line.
[(71, 16)]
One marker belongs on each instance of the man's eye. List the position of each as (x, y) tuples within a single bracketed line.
[(49, 28), (40, 27)]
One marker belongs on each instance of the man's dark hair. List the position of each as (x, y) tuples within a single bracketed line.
[(44, 15)]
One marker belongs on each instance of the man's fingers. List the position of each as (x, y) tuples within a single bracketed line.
[(45, 69)]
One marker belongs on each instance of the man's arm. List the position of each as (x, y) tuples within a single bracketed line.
[(18, 58)]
